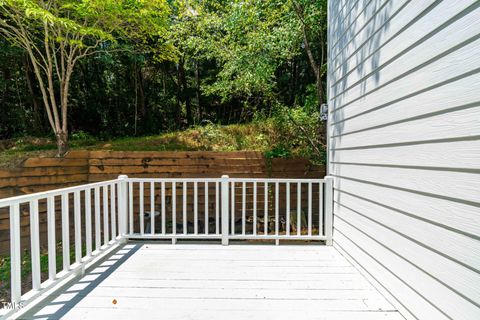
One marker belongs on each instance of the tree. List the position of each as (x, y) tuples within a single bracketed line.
[(188, 32), (312, 17), (56, 34), (250, 40), (224, 61)]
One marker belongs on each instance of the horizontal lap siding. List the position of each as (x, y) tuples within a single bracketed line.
[(404, 148)]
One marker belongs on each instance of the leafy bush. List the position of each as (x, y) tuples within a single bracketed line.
[(277, 152), (81, 139), (295, 132), (80, 135)]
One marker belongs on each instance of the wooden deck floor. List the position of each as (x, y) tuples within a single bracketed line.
[(158, 281)]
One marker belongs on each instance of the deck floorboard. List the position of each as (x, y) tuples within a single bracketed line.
[(189, 281)]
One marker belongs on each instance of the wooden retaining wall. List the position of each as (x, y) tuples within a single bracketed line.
[(81, 167)]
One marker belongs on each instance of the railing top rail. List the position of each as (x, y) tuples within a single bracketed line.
[(282, 180), (56, 192), (274, 180), (174, 179)]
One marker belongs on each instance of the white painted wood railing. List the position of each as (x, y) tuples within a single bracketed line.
[(110, 212), (98, 215), (230, 208)]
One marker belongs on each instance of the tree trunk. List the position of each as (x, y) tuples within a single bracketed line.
[(197, 90), (319, 87), (37, 116), (185, 97), (62, 143), (141, 94), (316, 67), (293, 83)]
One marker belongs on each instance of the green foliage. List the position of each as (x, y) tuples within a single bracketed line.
[(311, 100), (249, 40), (158, 64), (26, 269), (5, 272), (77, 22), (57, 34), (297, 131), (29, 147), (80, 136), (277, 152)]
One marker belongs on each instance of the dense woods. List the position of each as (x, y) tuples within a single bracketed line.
[(120, 68)]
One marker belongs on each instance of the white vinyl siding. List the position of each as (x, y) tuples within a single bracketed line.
[(404, 149)]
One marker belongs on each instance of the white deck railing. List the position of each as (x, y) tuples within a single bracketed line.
[(229, 208), (110, 212)]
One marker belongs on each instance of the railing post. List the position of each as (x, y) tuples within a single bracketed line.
[(329, 210), (15, 261), (225, 195), (123, 204)]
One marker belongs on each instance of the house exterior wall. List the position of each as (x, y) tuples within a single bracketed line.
[(404, 149)]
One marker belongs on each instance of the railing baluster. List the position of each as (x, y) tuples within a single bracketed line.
[(299, 208), (287, 213), (225, 196), (206, 207), (142, 222), (174, 208), (217, 209), (105, 215), (195, 207), (255, 208), (277, 218), (184, 203), (98, 241), (113, 211), (65, 232), (152, 207), (164, 219), (265, 212), (15, 253), (309, 208), (78, 225), (35, 244), (244, 200), (130, 207), (232, 231), (88, 222), (52, 258), (320, 209)]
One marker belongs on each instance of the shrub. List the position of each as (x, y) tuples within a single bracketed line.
[(294, 132)]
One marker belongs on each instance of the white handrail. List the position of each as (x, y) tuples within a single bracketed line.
[(274, 180), (267, 208), (249, 206), (82, 208), (56, 192), (173, 180)]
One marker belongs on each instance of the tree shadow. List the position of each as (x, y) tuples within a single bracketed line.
[(357, 31)]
